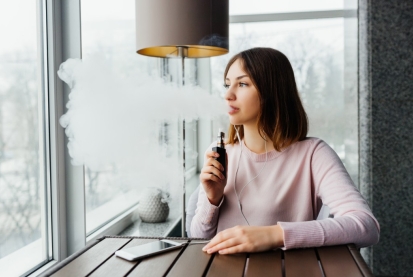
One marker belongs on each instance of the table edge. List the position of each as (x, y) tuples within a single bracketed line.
[(362, 265)]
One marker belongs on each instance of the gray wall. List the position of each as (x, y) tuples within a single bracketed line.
[(386, 129)]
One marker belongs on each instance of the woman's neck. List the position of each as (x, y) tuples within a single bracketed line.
[(255, 142)]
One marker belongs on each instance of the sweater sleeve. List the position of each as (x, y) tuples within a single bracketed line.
[(353, 221), (205, 221)]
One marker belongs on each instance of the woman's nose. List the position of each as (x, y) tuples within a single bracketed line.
[(229, 94)]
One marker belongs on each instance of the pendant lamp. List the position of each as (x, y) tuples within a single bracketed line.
[(200, 26)]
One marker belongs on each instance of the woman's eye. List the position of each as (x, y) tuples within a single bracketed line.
[(226, 86), (243, 84)]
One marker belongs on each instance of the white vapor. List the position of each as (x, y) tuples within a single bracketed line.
[(115, 120)]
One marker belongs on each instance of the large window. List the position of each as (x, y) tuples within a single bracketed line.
[(108, 34), (23, 201), (323, 54), (41, 200)]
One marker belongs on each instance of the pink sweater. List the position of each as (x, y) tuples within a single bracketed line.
[(290, 191)]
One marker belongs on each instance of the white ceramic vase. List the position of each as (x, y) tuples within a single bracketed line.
[(153, 205)]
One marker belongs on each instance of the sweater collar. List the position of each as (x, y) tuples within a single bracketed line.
[(261, 157)]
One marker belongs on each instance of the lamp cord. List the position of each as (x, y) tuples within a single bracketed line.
[(236, 173)]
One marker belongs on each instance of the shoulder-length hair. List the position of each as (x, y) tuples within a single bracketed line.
[(282, 116)]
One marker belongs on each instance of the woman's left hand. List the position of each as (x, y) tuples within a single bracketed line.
[(246, 239)]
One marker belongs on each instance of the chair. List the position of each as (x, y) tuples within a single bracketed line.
[(190, 210)]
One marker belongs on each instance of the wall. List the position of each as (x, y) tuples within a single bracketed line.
[(386, 129)]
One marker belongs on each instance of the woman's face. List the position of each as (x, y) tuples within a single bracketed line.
[(242, 96)]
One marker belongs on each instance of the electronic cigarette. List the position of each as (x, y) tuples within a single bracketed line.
[(220, 149)]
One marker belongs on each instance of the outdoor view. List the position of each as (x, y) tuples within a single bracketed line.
[(21, 183)]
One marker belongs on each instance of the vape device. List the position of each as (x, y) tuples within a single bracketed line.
[(220, 149)]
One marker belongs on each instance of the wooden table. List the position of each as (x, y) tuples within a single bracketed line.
[(98, 259)]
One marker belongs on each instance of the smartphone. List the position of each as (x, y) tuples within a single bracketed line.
[(148, 249)]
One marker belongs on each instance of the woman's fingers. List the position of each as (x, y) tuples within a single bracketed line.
[(214, 163), (229, 243), (211, 154), (220, 239), (210, 170), (205, 177), (211, 160), (212, 178), (232, 250), (230, 246), (246, 239)]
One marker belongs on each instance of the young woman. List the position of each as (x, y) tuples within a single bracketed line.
[(277, 177)]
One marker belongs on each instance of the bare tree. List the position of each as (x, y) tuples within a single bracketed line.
[(20, 217)]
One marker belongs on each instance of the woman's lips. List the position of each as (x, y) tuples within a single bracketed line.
[(232, 110)]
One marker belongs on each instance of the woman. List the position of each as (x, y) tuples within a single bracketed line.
[(277, 177)]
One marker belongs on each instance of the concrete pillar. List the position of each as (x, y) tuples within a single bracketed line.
[(386, 129)]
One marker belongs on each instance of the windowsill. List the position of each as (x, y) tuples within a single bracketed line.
[(26, 257), (100, 216), (161, 229), (167, 228)]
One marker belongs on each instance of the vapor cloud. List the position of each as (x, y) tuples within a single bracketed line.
[(117, 120)]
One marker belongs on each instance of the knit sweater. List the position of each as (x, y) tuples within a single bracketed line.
[(290, 191)]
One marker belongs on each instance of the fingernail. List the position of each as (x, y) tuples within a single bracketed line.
[(204, 248), (209, 250)]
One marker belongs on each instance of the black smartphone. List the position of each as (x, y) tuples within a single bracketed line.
[(148, 249)]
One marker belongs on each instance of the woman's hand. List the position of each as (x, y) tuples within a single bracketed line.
[(212, 178), (246, 239)]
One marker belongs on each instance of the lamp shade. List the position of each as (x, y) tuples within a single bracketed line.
[(199, 26)]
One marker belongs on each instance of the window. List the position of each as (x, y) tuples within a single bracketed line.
[(24, 235), (323, 54), (108, 33)]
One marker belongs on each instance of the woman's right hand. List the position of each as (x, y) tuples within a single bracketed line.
[(212, 178)]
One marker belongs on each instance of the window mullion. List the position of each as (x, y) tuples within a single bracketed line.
[(67, 181)]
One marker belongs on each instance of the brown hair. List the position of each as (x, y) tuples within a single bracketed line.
[(282, 116)]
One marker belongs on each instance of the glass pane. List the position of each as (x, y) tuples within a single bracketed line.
[(109, 33), (323, 53), (22, 204), (278, 6)]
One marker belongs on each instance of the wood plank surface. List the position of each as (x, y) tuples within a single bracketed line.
[(301, 262), (192, 262), (227, 265), (364, 268), (88, 261), (156, 265), (116, 266), (99, 260), (338, 262), (265, 264)]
